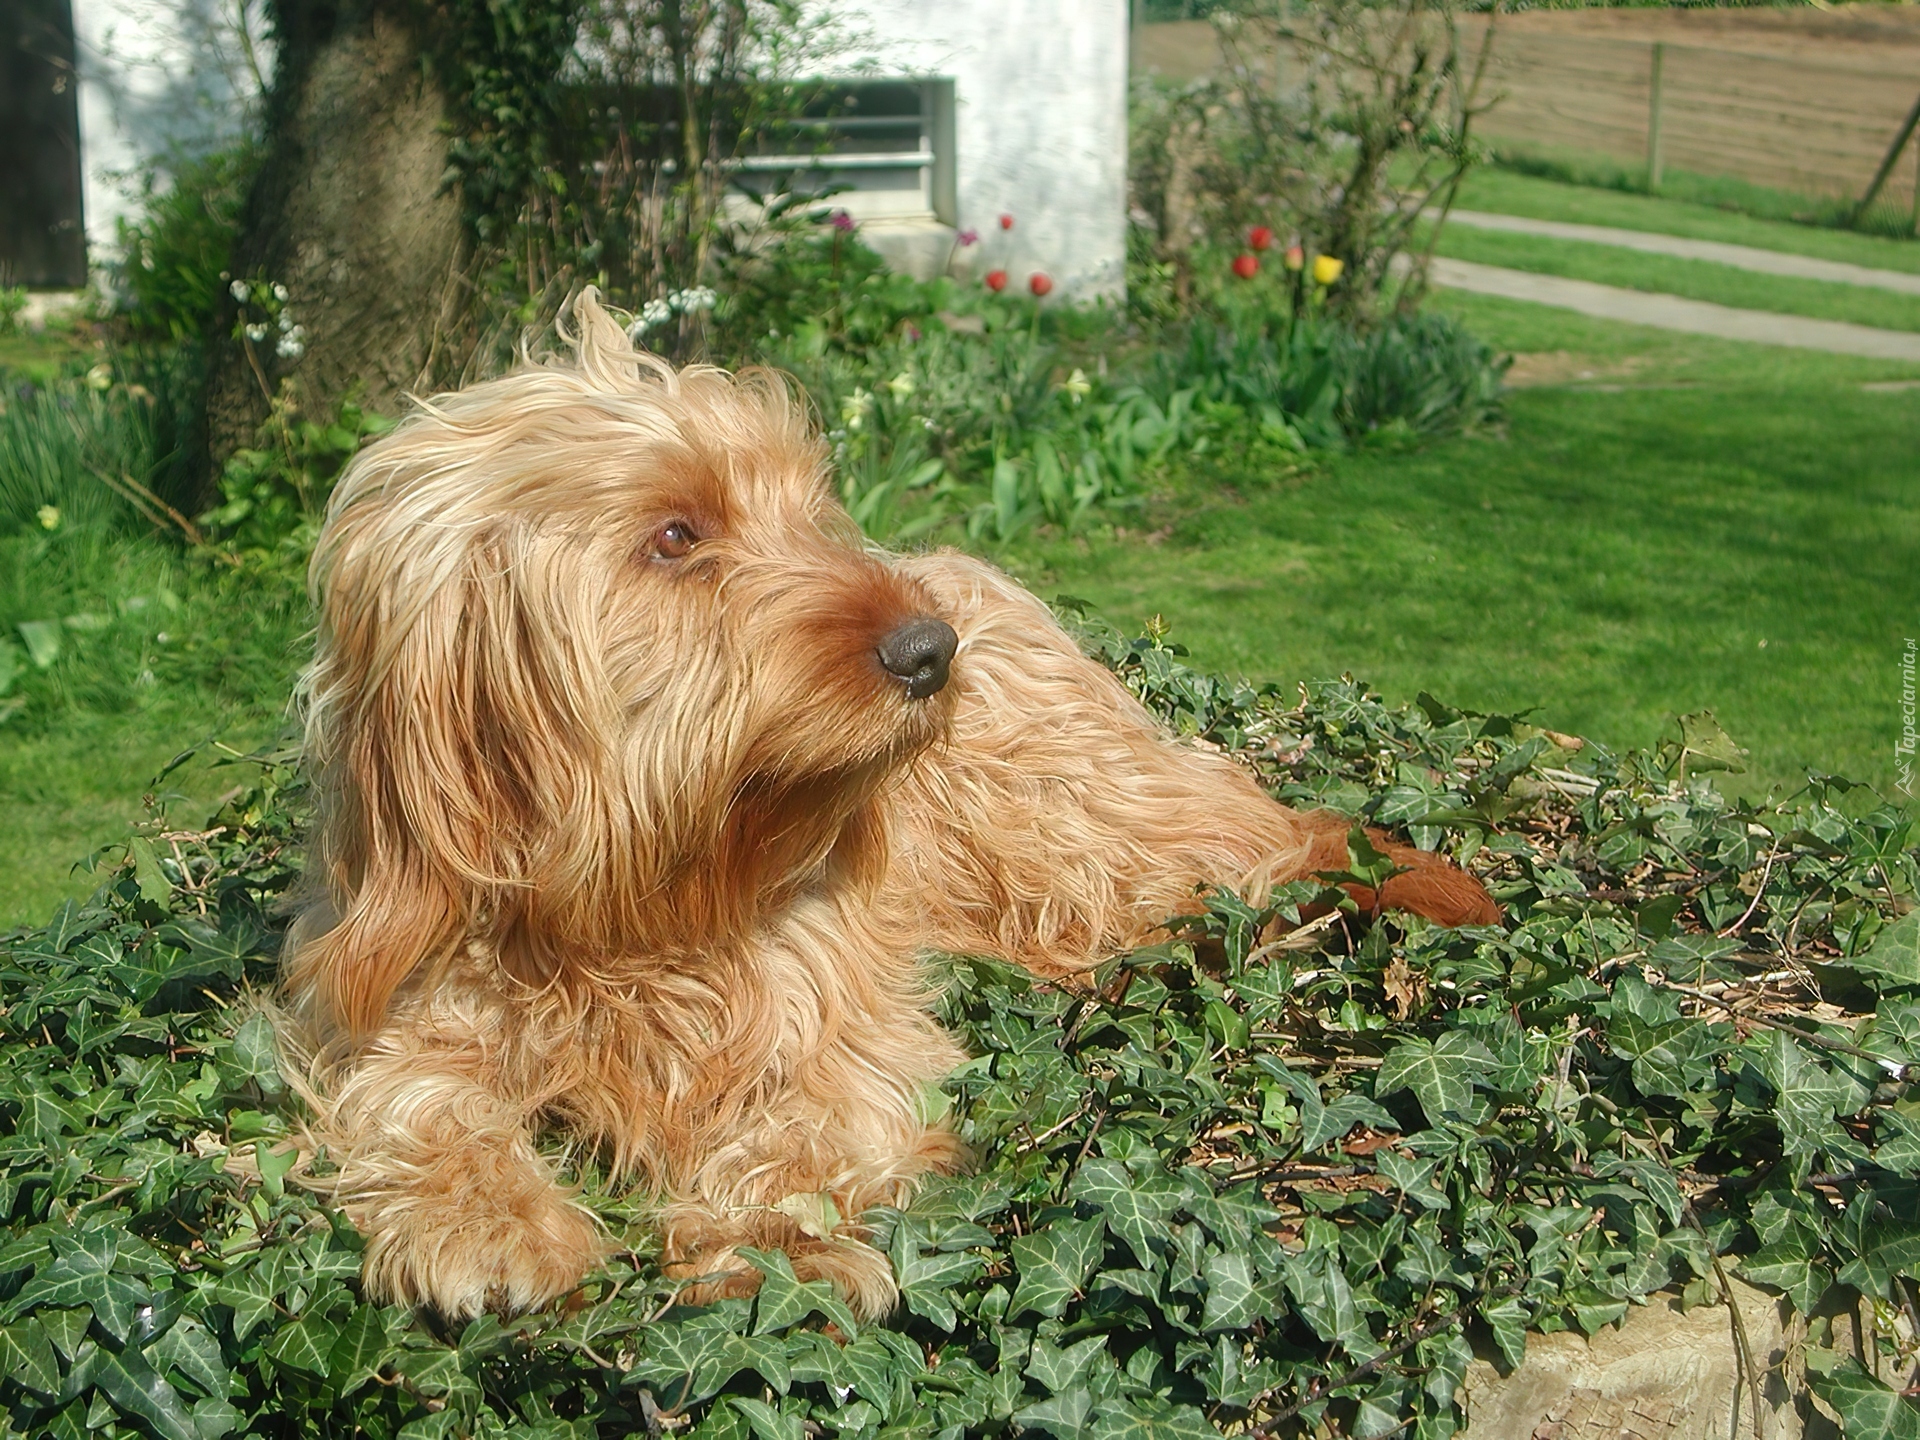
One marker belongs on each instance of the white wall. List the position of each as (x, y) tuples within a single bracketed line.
[(1040, 94), (157, 78), (1040, 99)]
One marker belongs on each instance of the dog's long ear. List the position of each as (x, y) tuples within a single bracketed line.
[(459, 780)]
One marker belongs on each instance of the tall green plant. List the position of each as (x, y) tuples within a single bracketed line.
[(105, 450), (1317, 383)]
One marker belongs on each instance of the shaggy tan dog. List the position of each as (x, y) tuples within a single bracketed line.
[(645, 780)]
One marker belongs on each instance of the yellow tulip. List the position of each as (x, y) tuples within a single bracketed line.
[(1326, 269)]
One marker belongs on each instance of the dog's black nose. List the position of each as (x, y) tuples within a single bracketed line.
[(919, 652)]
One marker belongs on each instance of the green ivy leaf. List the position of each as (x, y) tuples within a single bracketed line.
[(251, 1294), (1323, 1295), (1507, 1320), (783, 1300), (1670, 1057), (131, 1384), (84, 1275), (359, 1351), (1441, 1074), (1061, 1416), (155, 888), (1149, 1419), (766, 1422), (1660, 1185), (255, 1053), (305, 1344), (27, 1358), (1899, 1147), (1789, 1266), (1053, 1264), (1412, 1178), (1233, 1300), (1894, 956), (1136, 1210), (1888, 1248), (1806, 1096), (927, 1274), (1868, 1409), (438, 1374), (1060, 1370), (191, 1352), (215, 1417)]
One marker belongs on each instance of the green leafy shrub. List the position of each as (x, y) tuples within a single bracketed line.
[(1320, 384), (274, 494), (176, 252), (1264, 1174)]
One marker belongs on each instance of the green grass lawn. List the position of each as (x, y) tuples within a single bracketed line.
[(1738, 530), (1694, 279), (162, 658), (1504, 192), (1508, 192)]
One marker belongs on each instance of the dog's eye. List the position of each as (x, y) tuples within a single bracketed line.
[(674, 540)]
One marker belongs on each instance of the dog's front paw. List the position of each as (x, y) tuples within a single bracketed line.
[(859, 1274), (517, 1249)]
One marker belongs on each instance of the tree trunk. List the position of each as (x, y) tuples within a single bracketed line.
[(352, 213)]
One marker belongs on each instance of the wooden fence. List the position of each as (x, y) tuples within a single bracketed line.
[(1791, 124)]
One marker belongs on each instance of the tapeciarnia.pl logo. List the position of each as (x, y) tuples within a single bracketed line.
[(1903, 748)]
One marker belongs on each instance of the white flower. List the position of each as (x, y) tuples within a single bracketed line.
[(291, 347), (256, 332), (280, 294), (1077, 385), (100, 377), (901, 385), (238, 289), (653, 314), (286, 321), (689, 301), (853, 409)]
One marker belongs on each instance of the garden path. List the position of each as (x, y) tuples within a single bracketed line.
[(1671, 312), (1744, 257)]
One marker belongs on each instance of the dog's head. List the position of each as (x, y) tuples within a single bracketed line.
[(602, 666)]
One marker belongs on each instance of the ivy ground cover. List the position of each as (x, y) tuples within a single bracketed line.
[(1277, 1176)]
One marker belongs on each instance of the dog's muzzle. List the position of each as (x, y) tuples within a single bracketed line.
[(920, 652)]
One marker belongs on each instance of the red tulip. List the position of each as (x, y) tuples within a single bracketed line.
[(1296, 257), (1039, 284), (1245, 266), (1260, 237), (996, 280), (1006, 222)]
